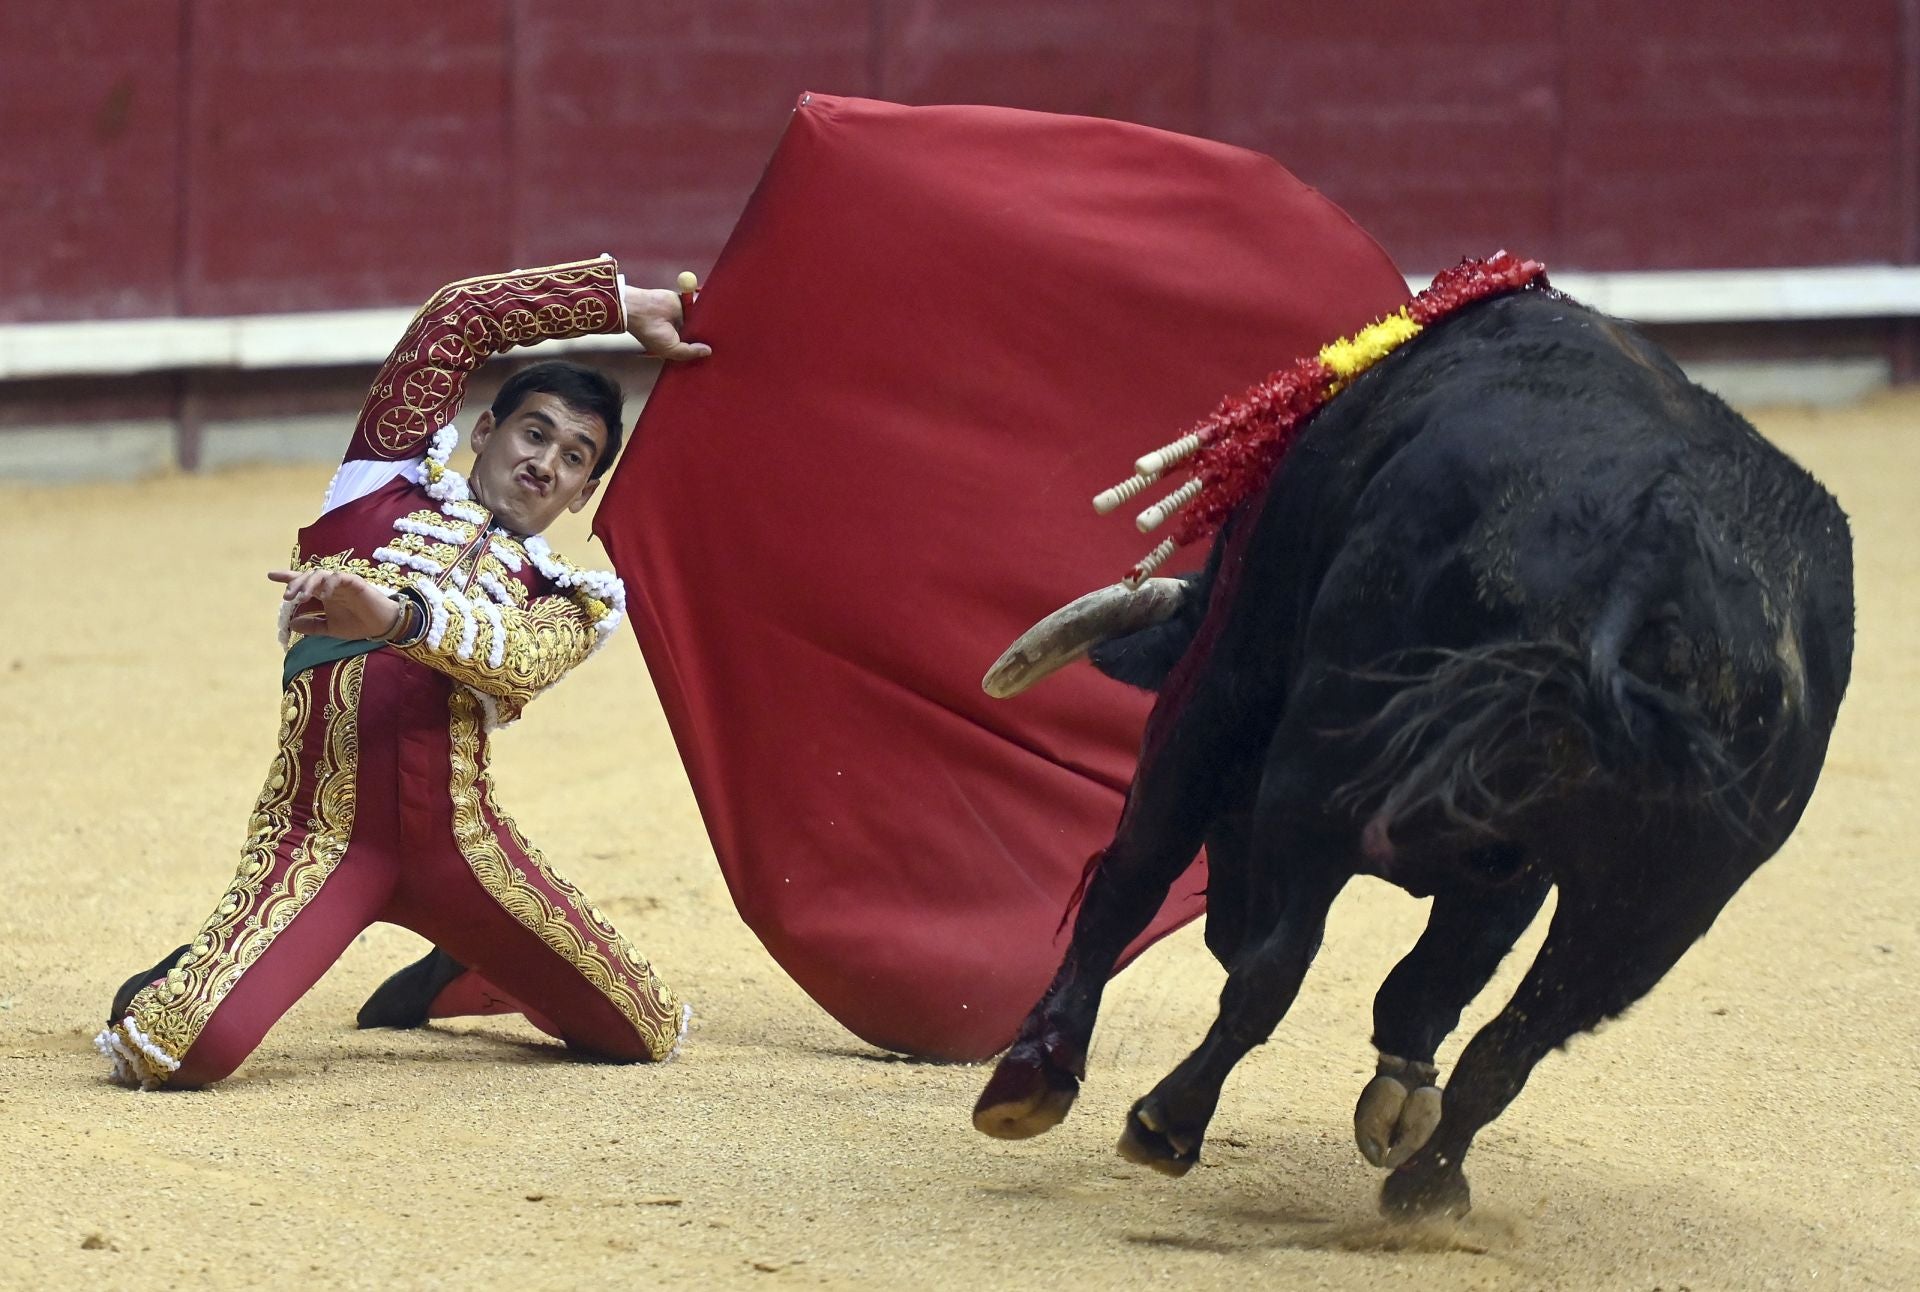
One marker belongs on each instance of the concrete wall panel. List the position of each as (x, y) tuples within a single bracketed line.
[(341, 154), (89, 158), (644, 137)]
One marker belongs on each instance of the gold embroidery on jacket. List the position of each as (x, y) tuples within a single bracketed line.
[(438, 546), (455, 332), (443, 557), (492, 573), (541, 643), (387, 576), (604, 958)]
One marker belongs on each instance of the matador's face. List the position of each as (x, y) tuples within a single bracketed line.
[(536, 462)]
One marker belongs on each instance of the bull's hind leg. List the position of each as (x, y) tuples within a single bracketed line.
[(1469, 931), (1601, 955), (1175, 799)]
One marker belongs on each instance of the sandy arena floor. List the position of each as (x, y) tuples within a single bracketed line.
[(1752, 1125)]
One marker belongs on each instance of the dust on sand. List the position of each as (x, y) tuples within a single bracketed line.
[(1751, 1125)]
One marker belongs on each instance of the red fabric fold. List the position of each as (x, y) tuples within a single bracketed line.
[(937, 333)]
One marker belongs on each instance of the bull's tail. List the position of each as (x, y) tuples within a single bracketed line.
[(1473, 739), (1476, 737)]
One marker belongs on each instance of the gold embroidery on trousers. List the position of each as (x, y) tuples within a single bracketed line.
[(610, 964), (172, 1012), (630, 957)]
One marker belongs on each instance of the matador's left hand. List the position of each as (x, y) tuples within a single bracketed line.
[(334, 603), (654, 319)]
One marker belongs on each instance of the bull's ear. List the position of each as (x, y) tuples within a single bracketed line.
[(1143, 659)]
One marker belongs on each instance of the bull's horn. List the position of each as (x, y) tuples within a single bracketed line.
[(1069, 632)]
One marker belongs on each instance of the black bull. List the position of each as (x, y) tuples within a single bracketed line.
[(1523, 607)]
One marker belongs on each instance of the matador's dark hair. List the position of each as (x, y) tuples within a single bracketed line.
[(583, 389)]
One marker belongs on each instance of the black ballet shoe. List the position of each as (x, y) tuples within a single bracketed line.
[(131, 987), (403, 1000)]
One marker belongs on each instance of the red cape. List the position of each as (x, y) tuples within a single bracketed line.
[(937, 333)]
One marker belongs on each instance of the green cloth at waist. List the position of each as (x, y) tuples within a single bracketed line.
[(312, 652)]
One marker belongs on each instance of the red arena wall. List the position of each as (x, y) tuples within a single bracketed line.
[(211, 157)]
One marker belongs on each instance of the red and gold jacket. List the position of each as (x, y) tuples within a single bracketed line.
[(507, 616)]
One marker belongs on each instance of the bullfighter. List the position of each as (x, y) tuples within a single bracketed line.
[(423, 609)]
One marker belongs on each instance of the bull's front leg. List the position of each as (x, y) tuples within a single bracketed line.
[(1035, 1083), (1173, 801), (1165, 1129), (1234, 912)]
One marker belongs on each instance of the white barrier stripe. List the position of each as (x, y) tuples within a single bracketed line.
[(114, 347)]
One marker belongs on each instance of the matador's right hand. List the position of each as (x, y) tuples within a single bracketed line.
[(335, 603)]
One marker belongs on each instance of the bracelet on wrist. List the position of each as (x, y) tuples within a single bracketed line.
[(410, 624)]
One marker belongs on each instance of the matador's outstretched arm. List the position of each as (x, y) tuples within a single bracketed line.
[(424, 380)]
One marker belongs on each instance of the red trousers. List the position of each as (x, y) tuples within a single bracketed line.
[(380, 807)]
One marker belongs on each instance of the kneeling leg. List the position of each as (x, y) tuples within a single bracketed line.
[(495, 906), (261, 951)]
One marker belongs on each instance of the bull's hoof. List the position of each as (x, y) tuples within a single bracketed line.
[(1422, 1195), (1395, 1117), (1149, 1140), (1027, 1095)]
